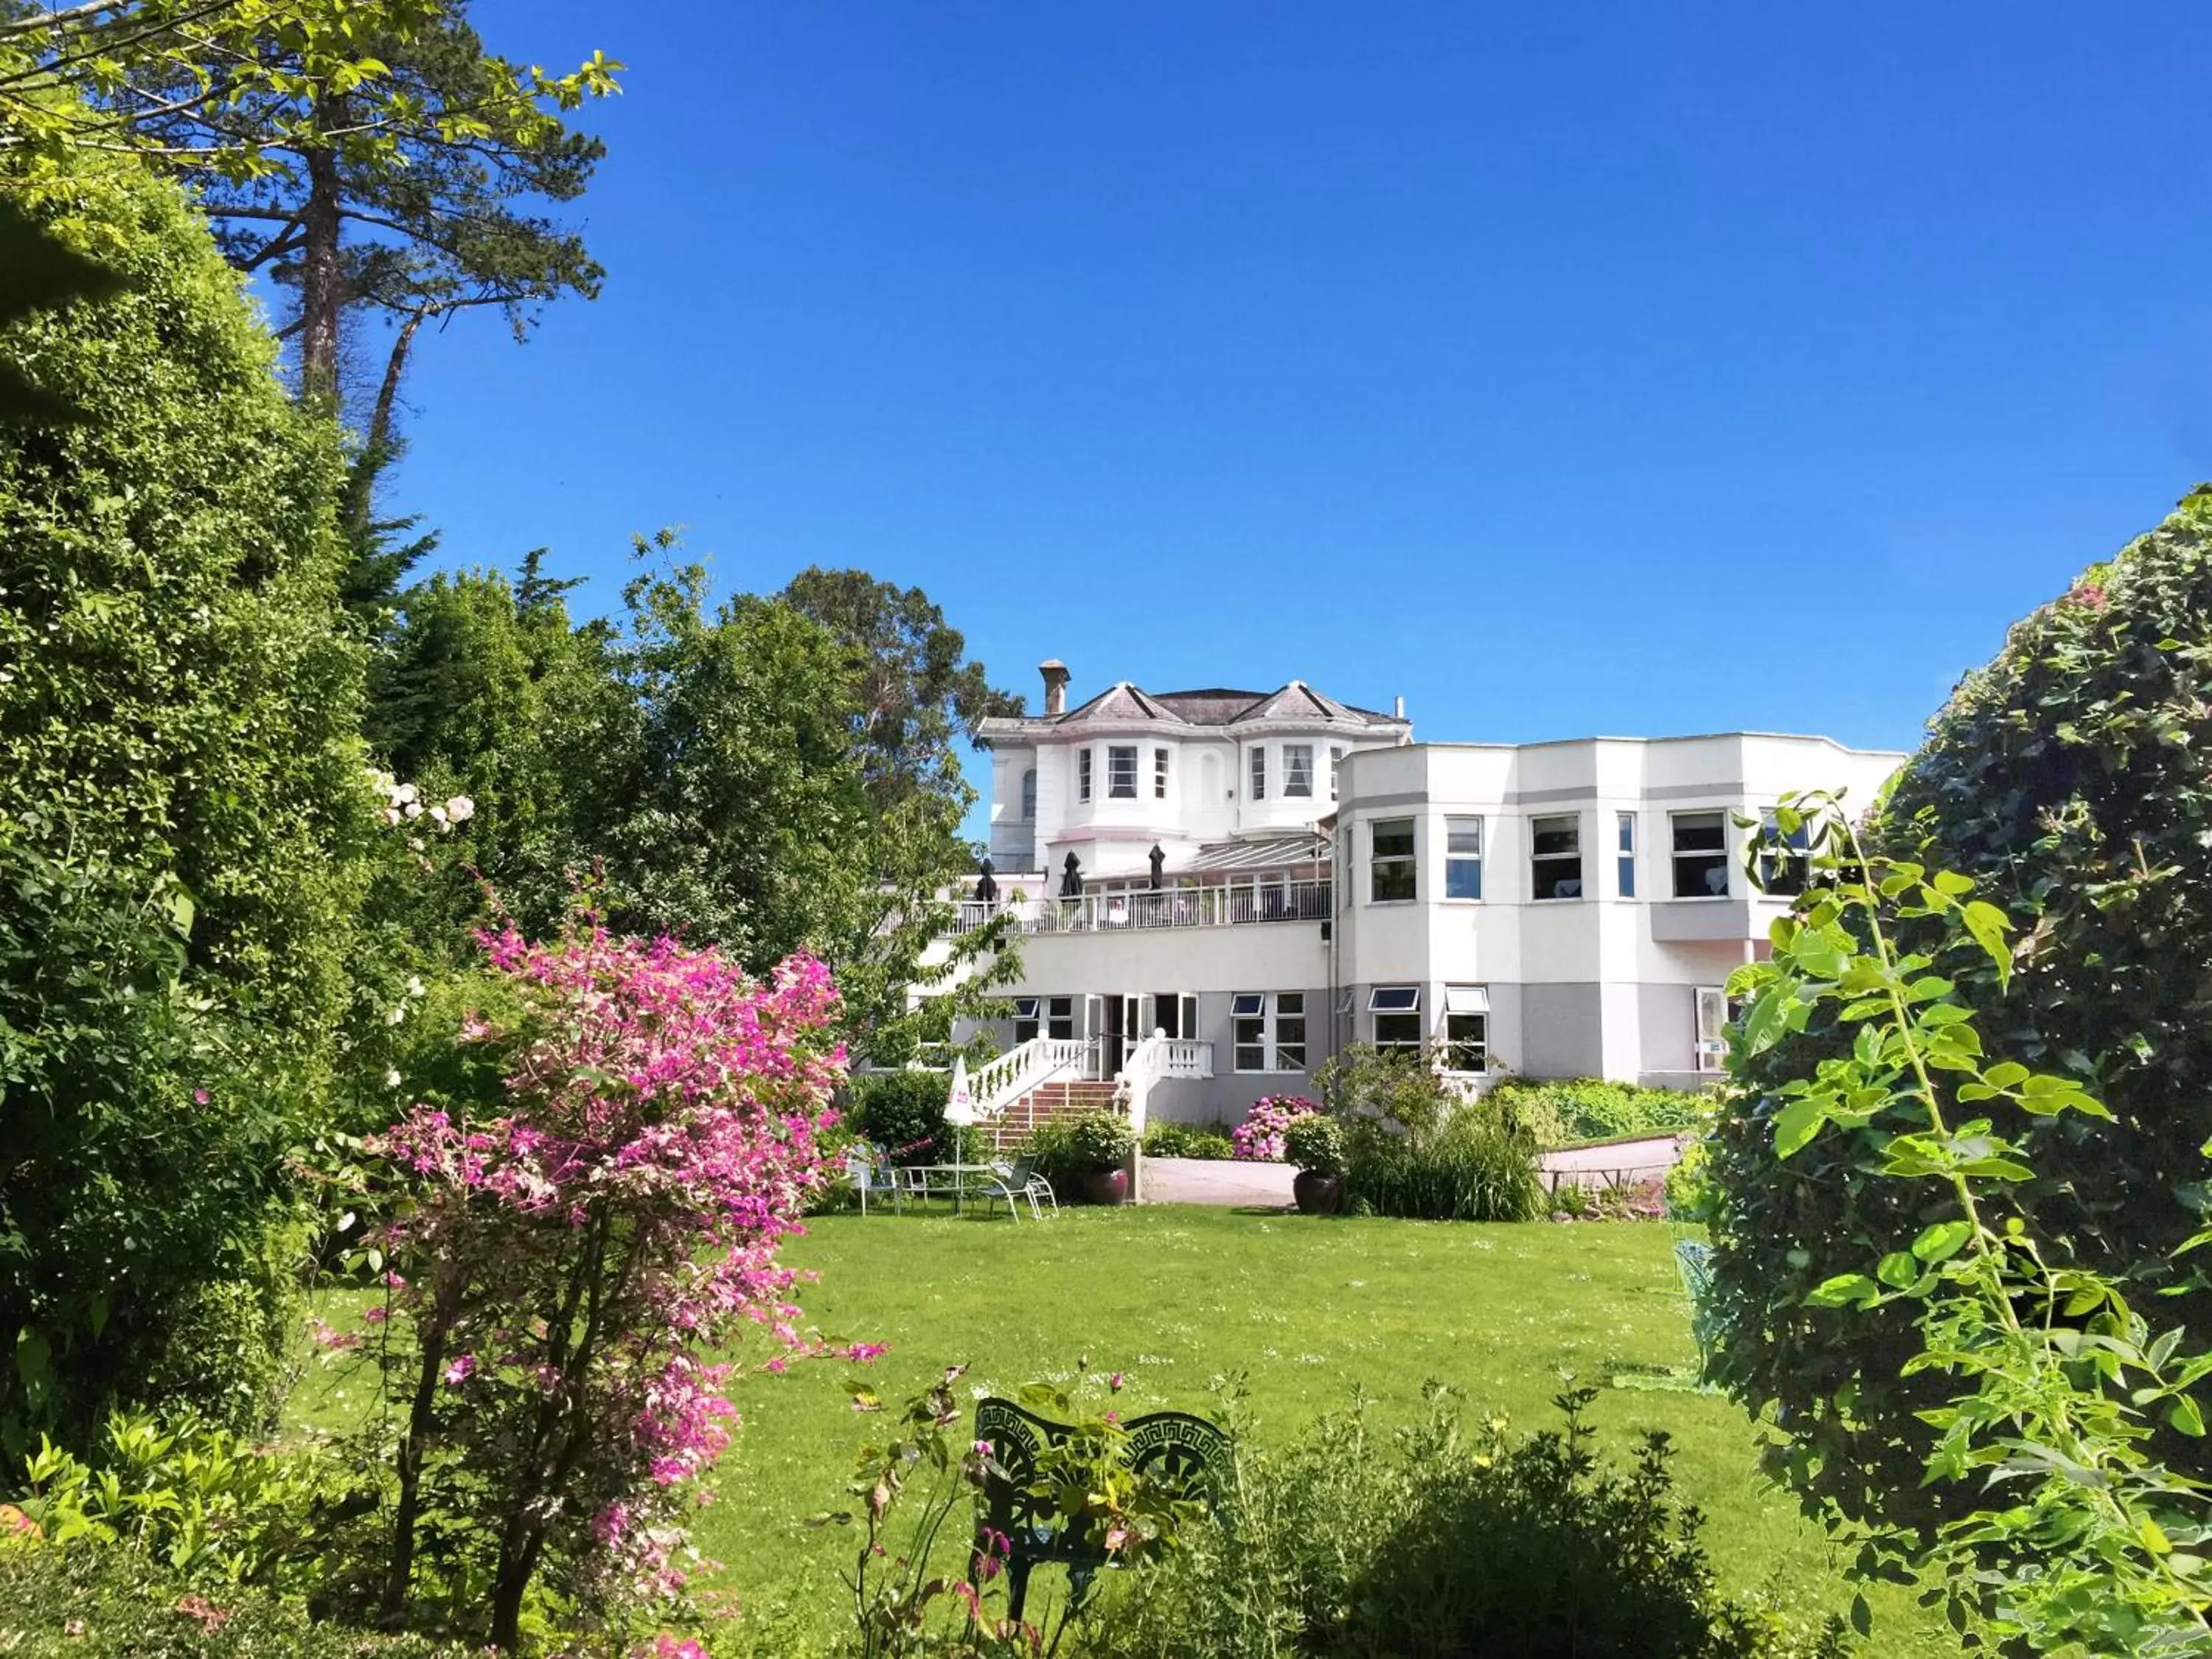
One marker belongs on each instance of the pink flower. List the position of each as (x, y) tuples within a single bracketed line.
[(865, 1351), (200, 1097), (1113, 1382), (375, 1316), (460, 1371)]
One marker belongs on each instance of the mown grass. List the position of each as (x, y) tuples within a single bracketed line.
[(1306, 1309)]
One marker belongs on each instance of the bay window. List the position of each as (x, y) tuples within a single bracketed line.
[(1390, 863), (1121, 772), (1701, 858), (1555, 857), (1298, 769)]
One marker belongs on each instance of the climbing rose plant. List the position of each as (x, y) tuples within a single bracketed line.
[(572, 1254)]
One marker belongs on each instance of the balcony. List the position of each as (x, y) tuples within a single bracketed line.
[(1235, 905)]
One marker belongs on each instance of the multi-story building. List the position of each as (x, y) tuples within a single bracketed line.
[(1266, 878)]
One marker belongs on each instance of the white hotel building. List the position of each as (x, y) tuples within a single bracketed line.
[(1268, 876)]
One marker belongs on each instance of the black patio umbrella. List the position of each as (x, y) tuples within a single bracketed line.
[(1071, 884), (987, 889), (1159, 864)]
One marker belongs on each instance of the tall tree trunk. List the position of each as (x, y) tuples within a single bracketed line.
[(321, 284), (400, 1569), (380, 420)]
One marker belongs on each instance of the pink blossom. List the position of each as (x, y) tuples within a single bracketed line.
[(375, 1316), (1113, 1382), (460, 1371), (1259, 1138), (862, 1352), (200, 1097)]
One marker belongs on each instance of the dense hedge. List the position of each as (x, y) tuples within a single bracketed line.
[(2069, 778), (88, 1602), (1560, 1113), (182, 803), (903, 1112)]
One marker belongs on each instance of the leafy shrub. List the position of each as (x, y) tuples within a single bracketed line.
[(2067, 779), (903, 1112), (1634, 1200), (1050, 1150), (1691, 1197), (1445, 1539), (1474, 1174), (1168, 1139), (88, 1602), (1259, 1138), (1561, 1113), (1185, 1140), (184, 812), (1100, 1141), (211, 1508), (1316, 1143)]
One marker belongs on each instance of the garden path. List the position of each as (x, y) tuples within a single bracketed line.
[(1215, 1180)]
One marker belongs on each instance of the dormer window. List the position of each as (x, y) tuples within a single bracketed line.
[(1121, 772), (1297, 768)]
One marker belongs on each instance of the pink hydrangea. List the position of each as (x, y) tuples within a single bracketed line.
[(1259, 1138)]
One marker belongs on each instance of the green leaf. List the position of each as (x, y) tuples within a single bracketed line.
[(1942, 1241), (1861, 1615), (1897, 1269), (1796, 1124), (2185, 1417), (1951, 883), (1844, 1288), (1988, 926)]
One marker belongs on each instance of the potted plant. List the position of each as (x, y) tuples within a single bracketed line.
[(1099, 1145), (1316, 1143)]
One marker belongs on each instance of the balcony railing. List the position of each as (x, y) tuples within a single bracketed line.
[(1168, 907)]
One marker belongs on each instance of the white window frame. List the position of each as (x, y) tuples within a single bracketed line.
[(1335, 765), (1711, 1031), (1456, 859), (1297, 771), (1028, 1011), (1247, 1016), (1795, 865), (1376, 862), (1029, 795), (1623, 855), (1537, 860), (1464, 1004), (1159, 773), (1082, 775), (1060, 1011), (1284, 1061), (1394, 1002), (1258, 771), (1703, 856), (1121, 771)]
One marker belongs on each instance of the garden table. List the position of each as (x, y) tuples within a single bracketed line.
[(959, 1175)]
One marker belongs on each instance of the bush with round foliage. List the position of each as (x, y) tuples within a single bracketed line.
[(903, 1113), (1316, 1143), (184, 810), (2069, 778), (1099, 1141)]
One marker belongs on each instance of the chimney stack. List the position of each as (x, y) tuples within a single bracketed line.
[(1401, 708), (1055, 685)]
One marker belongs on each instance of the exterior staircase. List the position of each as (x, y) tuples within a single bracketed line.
[(1060, 1097)]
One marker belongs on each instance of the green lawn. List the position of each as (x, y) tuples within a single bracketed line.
[(1306, 1309), (1173, 1296)]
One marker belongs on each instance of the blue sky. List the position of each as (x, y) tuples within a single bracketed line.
[(1627, 368)]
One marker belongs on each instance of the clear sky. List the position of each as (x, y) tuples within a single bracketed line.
[(1568, 368)]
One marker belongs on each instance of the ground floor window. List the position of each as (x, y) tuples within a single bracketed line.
[(1267, 1031), (1701, 857), (1466, 1027), (1396, 1012), (1060, 1018), (1712, 1028), (1025, 1019)]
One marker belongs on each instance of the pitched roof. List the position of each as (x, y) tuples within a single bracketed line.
[(1122, 704)]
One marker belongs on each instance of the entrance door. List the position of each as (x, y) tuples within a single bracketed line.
[(1132, 1030), (1094, 1033)]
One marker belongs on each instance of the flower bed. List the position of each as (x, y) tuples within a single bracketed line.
[(1259, 1138)]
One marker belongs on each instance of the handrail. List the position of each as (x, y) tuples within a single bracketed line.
[(998, 1084), (1220, 905)]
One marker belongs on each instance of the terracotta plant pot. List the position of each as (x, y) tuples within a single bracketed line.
[(1317, 1193), (1106, 1186)]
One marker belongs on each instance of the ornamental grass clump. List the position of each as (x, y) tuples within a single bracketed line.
[(568, 1255)]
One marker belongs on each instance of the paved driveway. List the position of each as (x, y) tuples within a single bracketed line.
[(1215, 1180), (1223, 1180)]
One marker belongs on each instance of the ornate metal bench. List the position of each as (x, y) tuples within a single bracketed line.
[(1168, 1446)]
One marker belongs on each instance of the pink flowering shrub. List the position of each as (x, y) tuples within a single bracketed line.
[(569, 1255), (1259, 1138)]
